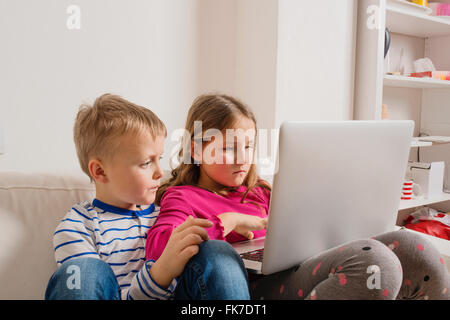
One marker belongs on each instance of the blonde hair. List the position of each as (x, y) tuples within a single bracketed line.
[(215, 112), (97, 127)]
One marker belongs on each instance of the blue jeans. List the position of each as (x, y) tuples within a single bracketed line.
[(83, 279), (215, 273)]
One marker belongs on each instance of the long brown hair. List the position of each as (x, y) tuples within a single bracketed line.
[(219, 112)]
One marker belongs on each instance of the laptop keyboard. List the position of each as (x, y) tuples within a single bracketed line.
[(256, 255)]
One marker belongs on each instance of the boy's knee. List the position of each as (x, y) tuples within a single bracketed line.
[(86, 267), (81, 278)]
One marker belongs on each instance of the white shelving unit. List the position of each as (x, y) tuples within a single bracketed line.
[(420, 144), (414, 35), (407, 18), (410, 204), (415, 83)]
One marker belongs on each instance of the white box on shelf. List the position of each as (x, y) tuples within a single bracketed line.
[(430, 177)]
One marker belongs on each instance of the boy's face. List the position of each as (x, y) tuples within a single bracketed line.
[(133, 174)]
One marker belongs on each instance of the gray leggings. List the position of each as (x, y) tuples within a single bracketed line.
[(394, 265)]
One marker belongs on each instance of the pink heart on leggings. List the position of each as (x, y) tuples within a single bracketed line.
[(342, 279), (316, 268)]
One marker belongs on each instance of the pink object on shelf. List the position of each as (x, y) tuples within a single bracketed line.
[(440, 9), (439, 75)]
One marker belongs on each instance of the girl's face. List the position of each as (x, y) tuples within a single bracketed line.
[(227, 159)]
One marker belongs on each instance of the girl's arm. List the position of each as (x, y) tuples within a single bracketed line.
[(242, 224), (174, 238)]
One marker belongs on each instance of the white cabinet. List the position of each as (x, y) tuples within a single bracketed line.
[(414, 35)]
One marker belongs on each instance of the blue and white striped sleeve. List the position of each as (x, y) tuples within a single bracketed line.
[(73, 239), (144, 288)]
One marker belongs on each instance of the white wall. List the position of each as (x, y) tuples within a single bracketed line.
[(216, 46), (286, 59), (256, 57), (316, 57), (144, 50)]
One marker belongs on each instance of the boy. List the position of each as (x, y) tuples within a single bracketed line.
[(100, 245)]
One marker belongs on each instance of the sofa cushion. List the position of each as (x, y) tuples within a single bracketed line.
[(31, 206)]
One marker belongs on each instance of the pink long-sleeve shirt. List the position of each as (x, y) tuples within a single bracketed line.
[(180, 202)]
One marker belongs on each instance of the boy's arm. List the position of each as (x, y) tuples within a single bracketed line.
[(181, 246), (144, 287), (157, 279), (73, 239), (175, 210)]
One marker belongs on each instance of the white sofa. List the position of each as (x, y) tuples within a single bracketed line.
[(31, 206)]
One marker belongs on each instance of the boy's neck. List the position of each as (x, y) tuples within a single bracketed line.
[(105, 198)]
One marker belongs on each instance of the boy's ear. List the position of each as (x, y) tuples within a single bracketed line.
[(97, 172)]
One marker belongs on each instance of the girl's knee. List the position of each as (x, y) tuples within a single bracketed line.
[(375, 252), (415, 251), (425, 273), (381, 267)]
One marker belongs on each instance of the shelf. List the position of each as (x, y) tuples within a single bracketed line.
[(416, 83), (415, 144), (401, 19), (434, 139), (409, 204)]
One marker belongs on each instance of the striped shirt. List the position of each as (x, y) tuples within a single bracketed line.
[(116, 236)]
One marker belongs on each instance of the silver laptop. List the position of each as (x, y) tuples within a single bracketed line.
[(336, 182)]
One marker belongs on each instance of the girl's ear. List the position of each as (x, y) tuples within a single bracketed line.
[(97, 171)]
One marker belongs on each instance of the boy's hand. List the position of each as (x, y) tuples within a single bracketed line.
[(182, 246), (242, 224)]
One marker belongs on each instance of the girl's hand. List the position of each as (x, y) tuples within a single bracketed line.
[(242, 224), (182, 246)]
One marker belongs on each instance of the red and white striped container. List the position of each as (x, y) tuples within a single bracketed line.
[(407, 190)]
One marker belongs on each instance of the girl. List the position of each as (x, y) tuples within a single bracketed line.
[(217, 180)]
